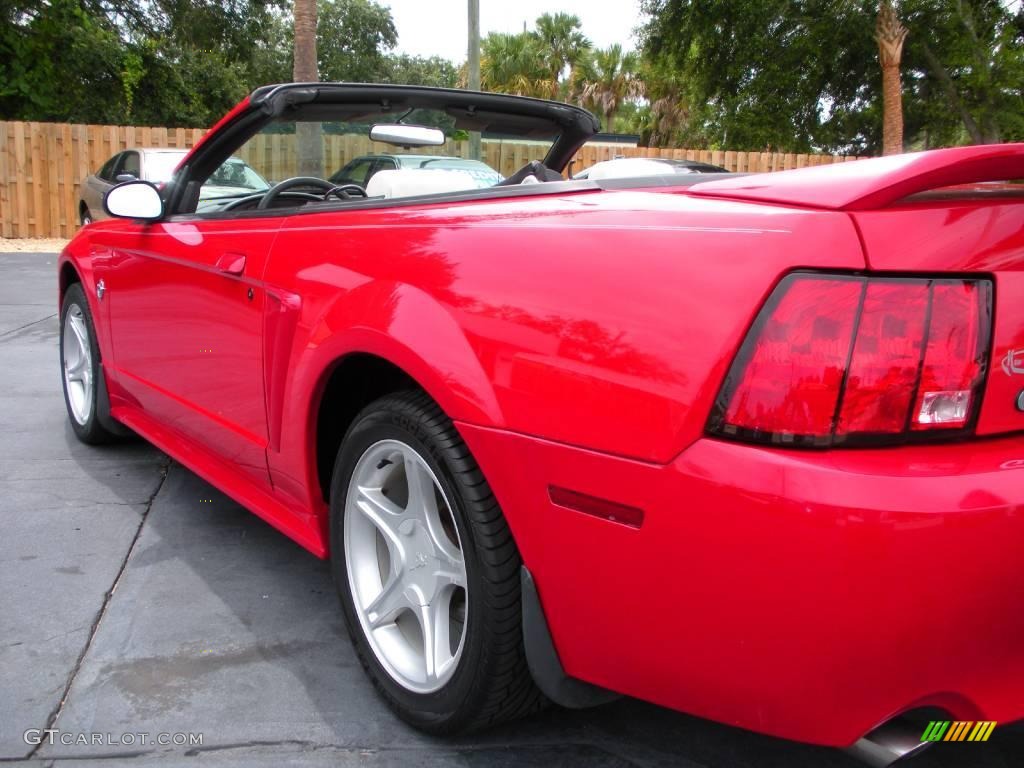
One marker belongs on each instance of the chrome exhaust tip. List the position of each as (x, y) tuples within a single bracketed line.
[(895, 740)]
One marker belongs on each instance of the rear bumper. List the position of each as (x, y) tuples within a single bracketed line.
[(808, 595)]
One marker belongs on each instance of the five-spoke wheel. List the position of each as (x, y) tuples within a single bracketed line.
[(405, 566), (84, 392), (427, 570), (77, 360)]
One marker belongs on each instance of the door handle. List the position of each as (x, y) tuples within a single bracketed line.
[(231, 264)]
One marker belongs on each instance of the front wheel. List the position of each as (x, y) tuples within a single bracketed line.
[(427, 571), (80, 366)]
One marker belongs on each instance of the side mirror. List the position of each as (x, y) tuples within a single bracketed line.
[(134, 200)]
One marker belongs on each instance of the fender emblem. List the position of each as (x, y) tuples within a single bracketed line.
[(101, 288), (1013, 362)]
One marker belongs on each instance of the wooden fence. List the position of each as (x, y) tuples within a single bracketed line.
[(42, 164)]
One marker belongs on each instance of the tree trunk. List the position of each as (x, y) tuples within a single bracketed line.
[(308, 136), (890, 34), (952, 95)]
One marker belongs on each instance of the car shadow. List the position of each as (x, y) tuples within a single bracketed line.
[(236, 631)]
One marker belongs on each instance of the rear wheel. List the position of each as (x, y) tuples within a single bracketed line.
[(80, 366), (427, 571)]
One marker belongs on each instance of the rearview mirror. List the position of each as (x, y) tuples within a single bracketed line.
[(408, 135), (134, 200)]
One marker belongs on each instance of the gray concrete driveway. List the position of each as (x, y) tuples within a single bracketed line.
[(136, 599)]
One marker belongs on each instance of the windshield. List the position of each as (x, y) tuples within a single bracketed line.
[(160, 165), (237, 175), (343, 153)]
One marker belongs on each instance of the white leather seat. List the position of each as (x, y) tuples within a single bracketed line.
[(406, 182)]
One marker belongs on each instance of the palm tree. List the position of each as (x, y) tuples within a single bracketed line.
[(304, 69), (612, 80), (308, 137), (513, 64), (562, 44), (890, 35)]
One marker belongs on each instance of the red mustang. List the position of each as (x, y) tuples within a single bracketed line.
[(750, 447)]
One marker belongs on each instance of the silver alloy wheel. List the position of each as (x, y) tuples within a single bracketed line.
[(406, 569), (78, 380)]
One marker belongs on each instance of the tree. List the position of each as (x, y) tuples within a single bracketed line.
[(418, 70), (972, 54), (308, 136), (352, 38), (612, 79), (54, 58), (305, 58), (801, 75), (890, 34), (514, 64), (562, 45), (170, 62)]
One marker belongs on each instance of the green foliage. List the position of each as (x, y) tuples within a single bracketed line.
[(799, 75), (419, 70), (352, 36), (181, 62), (610, 79), (514, 64), (53, 56)]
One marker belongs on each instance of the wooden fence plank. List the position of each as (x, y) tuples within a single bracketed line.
[(6, 214)]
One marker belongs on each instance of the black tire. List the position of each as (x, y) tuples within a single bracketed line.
[(492, 682), (84, 217), (92, 431)]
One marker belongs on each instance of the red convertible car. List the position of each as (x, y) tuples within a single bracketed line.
[(750, 447)]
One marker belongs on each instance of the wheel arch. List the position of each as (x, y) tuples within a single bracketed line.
[(379, 338), (375, 366), (67, 275), (347, 386)]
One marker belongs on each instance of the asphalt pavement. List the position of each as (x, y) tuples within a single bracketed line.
[(138, 604)]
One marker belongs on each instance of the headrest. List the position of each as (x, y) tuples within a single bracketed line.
[(407, 182)]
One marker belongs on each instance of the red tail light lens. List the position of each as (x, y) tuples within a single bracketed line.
[(843, 359)]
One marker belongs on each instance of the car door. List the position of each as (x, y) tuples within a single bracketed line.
[(185, 301)]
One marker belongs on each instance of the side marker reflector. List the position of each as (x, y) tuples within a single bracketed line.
[(623, 514)]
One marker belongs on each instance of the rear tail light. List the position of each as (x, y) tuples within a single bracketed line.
[(847, 360)]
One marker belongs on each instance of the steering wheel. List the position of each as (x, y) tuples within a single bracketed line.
[(251, 202), (298, 181), (345, 191)]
